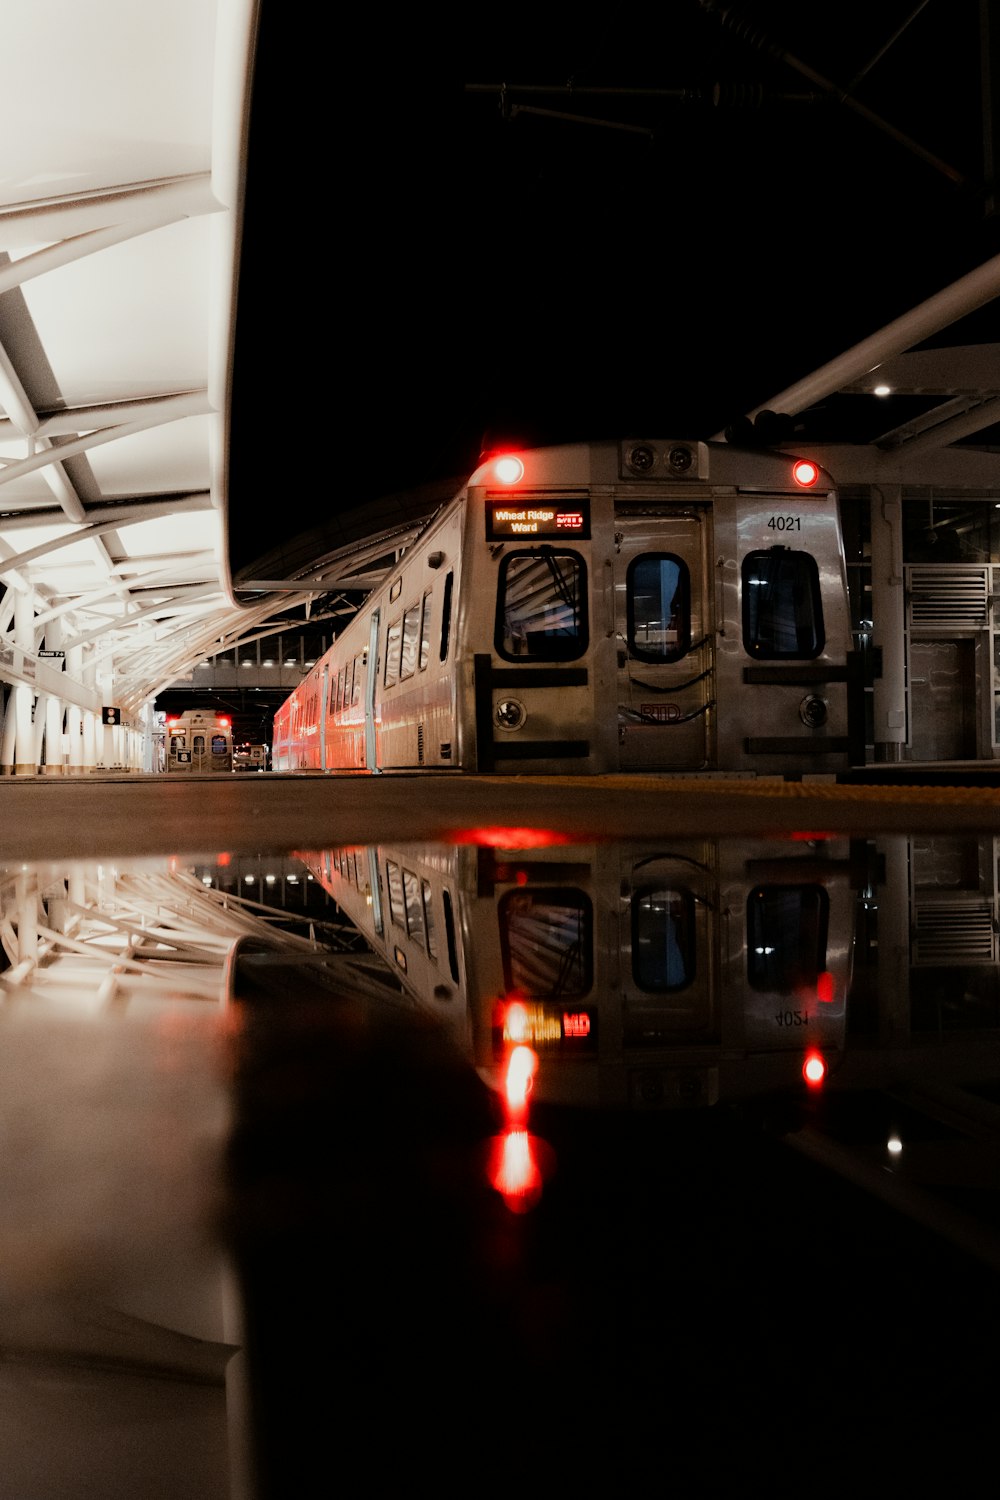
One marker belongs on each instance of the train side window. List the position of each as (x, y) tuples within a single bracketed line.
[(546, 939), (428, 900), (392, 643), (658, 590), (358, 678), (411, 630), (394, 885), (782, 606), (425, 631), (663, 938), (541, 606), (414, 907), (786, 937), (449, 584), (449, 931)]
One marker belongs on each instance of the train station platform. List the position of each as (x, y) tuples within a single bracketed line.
[(130, 815)]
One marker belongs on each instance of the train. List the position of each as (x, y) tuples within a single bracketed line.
[(250, 757), (660, 975), (198, 742), (602, 607)]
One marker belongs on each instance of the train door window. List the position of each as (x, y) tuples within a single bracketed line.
[(411, 630), (356, 695), (333, 696), (198, 744), (449, 584), (425, 630), (394, 884), (546, 942), (782, 607), (428, 902), (663, 939), (658, 589), (786, 937), (393, 638), (541, 606)]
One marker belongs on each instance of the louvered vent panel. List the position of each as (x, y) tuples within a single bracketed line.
[(959, 933), (948, 598)]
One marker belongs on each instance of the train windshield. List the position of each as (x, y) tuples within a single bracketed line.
[(541, 606), (782, 608), (659, 607), (546, 937), (786, 937)]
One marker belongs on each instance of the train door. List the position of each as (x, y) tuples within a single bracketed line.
[(663, 629), (199, 750), (371, 683)]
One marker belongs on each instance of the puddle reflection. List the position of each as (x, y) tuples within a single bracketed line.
[(227, 1104)]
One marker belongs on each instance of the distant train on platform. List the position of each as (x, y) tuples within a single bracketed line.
[(660, 606), (198, 742), (665, 975)]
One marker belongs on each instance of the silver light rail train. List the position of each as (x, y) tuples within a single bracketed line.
[(659, 976), (602, 607), (198, 742)]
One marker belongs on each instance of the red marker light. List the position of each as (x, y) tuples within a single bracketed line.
[(824, 988), (508, 470), (814, 1069), (223, 723), (805, 472)]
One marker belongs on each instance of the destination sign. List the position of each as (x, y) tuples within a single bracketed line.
[(535, 520)]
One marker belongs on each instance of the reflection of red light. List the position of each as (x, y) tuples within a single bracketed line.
[(576, 1023), (516, 1022), (518, 1163), (506, 838), (223, 861), (521, 1068), (824, 988), (814, 1069)]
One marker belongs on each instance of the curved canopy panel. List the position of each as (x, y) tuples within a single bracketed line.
[(120, 206)]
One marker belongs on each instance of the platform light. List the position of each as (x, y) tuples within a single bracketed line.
[(805, 472)]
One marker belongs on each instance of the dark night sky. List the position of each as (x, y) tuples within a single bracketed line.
[(420, 268)]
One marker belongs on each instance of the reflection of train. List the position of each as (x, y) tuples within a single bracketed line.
[(198, 741), (596, 608), (659, 977)]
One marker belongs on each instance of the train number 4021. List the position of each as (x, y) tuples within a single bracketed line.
[(785, 523), (792, 1018)]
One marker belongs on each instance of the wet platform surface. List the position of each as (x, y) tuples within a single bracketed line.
[(134, 815)]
